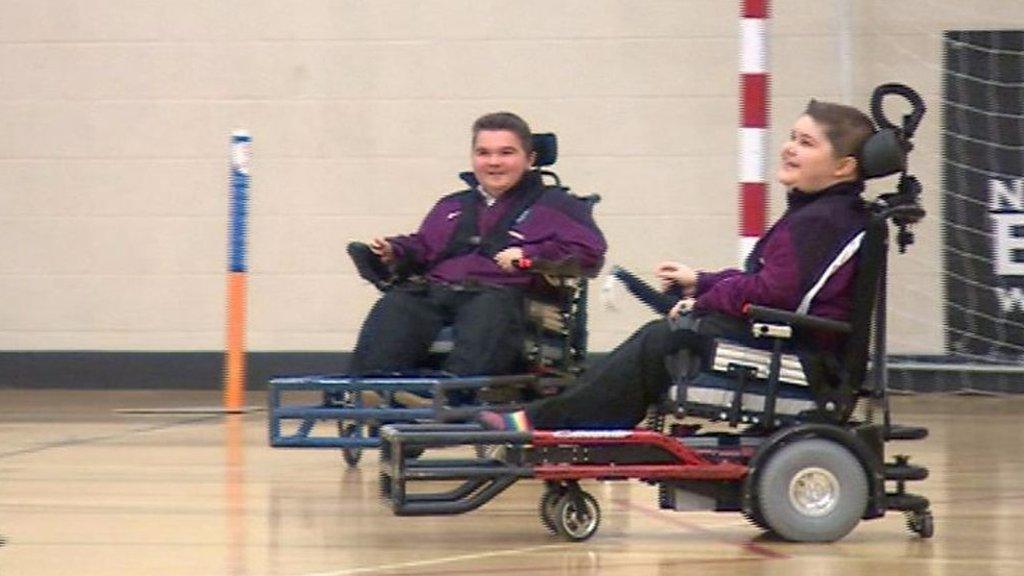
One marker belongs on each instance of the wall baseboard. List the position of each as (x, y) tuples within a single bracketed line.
[(88, 370), (149, 370)]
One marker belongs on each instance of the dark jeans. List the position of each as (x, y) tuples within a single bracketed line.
[(616, 392), (487, 322)]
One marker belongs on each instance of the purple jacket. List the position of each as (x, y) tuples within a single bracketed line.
[(557, 228), (788, 261)]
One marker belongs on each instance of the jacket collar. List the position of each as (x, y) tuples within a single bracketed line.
[(796, 198)]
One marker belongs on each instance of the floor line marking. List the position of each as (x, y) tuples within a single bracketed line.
[(434, 561), (67, 442)]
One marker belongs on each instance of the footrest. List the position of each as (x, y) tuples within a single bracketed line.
[(905, 472), (906, 502), (480, 479), (361, 402), (898, 432)]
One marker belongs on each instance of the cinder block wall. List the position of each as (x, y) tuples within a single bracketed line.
[(115, 118)]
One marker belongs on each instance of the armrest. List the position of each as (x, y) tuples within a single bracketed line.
[(562, 269), (657, 300), (805, 321), (369, 265)]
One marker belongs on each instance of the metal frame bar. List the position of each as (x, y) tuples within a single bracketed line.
[(485, 478), (309, 415)]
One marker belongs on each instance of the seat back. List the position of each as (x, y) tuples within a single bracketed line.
[(836, 379), (869, 280)]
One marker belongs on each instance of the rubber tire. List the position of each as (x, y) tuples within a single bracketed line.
[(757, 521), (352, 455), (565, 512), (546, 509), (773, 491), (921, 523)]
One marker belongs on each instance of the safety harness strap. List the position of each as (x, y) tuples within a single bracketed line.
[(466, 238)]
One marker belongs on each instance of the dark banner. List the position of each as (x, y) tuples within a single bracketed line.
[(983, 194)]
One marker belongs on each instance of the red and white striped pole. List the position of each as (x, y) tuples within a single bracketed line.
[(754, 122)]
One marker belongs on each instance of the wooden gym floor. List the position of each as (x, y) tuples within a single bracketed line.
[(86, 490)]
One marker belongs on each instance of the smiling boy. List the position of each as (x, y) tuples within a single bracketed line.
[(466, 249), (800, 264)]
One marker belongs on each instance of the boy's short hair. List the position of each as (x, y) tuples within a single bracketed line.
[(846, 127), (505, 121)]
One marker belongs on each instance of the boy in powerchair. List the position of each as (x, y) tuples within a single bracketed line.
[(466, 253), (819, 166)]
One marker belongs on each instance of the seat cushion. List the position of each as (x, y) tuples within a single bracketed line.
[(711, 392), (712, 395)]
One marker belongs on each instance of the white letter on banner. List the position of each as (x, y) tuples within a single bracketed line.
[(1010, 299), (1002, 197), (1005, 242)]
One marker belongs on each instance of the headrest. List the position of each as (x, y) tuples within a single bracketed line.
[(885, 152), (545, 146)]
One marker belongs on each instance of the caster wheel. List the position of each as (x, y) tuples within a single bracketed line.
[(577, 516), (921, 523), (351, 455), (546, 508)]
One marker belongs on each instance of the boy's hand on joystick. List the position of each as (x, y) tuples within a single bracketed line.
[(681, 307), (673, 274)]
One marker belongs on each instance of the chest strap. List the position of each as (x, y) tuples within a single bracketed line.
[(467, 239)]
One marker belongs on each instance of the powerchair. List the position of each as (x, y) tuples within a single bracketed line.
[(331, 411), (792, 458)]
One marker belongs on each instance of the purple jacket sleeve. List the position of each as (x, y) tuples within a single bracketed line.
[(551, 235), (705, 280), (430, 239), (776, 284)]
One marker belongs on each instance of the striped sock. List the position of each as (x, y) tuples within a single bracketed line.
[(508, 422)]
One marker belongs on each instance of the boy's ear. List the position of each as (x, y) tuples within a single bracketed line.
[(532, 158), (847, 167)]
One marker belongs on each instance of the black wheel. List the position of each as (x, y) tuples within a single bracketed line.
[(546, 509), (753, 514), (756, 520), (812, 490), (665, 500), (577, 516), (921, 523), (352, 454)]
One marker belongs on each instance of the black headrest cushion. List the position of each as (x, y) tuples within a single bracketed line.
[(545, 146), (883, 154), (886, 151)]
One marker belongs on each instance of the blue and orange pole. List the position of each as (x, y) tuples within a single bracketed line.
[(235, 361)]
